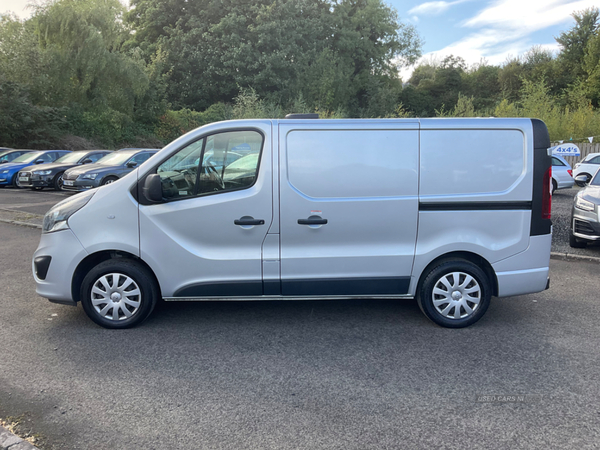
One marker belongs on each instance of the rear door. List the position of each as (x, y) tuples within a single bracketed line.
[(348, 206)]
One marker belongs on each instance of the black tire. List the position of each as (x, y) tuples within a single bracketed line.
[(576, 243), (554, 186), (14, 181), (588, 177), (58, 181), (98, 306), (108, 180), (478, 283)]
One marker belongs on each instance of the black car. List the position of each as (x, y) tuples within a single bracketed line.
[(8, 154), (51, 175)]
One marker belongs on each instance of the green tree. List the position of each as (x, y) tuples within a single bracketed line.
[(574, 43), (82, 40), (330, 52)]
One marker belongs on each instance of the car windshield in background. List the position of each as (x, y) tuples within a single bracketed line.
[(596, 180), (27, 157), (115, 159), (70, 158)]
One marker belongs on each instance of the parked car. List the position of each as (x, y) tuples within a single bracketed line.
[(9, 171), (562, 174), (585, 226), (449, 212), (51, 175), (106, 170), (8, 154), (587, 166)]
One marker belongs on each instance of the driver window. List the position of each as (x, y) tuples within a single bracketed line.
[(229, 162)]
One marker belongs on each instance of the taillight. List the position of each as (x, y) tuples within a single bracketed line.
[(547, 195), (570, 172)]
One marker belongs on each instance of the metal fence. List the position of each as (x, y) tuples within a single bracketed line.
[(584, 148)]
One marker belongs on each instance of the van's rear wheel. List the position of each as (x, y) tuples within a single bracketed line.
[(119, 293), (455, 294)]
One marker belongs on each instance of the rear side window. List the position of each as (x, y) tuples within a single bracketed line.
[(557, 162), (455, 162), (353, 163)]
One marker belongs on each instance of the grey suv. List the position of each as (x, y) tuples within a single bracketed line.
[(106, 170)]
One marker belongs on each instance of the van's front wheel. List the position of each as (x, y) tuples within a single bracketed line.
[(455, 294), (119, 293)]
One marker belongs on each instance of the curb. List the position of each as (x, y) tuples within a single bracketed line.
[(12, 442), (571, 256), (23, 224)]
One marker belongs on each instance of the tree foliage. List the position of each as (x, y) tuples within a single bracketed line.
[(329, 52), (90, 68)]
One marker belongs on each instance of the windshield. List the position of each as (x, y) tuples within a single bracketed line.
[(27, 157), (70, 158), (596, 180), (115, 159)]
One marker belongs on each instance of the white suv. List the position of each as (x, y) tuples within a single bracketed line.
[(587, 166)]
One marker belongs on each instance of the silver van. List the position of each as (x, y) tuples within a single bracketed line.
[(448, 211)]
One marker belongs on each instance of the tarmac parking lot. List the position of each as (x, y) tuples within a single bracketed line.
[(349, 374)]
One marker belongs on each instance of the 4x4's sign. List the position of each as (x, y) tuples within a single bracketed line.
[(566, 150)]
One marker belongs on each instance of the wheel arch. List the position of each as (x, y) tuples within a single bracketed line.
[(94, 259), (465, 256), (110, 176)]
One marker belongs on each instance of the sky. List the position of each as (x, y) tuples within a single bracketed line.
[(476, 30)]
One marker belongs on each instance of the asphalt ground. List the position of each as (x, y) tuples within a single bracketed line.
[(349, 374)]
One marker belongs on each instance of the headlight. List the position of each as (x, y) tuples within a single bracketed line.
[(42, 172), (89, 176), (4, 171), (583, 204), (56, 218)]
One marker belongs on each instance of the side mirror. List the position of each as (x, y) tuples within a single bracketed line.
[(581, 180), (86, 161), (152, 189), (40, 161), (131, 164)]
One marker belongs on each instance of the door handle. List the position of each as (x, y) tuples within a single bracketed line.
[(248, 220), (312, 220)]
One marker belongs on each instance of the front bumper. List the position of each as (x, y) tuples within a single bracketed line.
[(80, 185), (62, 252), (29, 181), (585, 224), (5, 179)]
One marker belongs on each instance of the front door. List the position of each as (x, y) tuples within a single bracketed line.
[(349, 208), (205, 239)]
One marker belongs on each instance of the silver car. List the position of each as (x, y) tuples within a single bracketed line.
[(585, 223), (562, 174)]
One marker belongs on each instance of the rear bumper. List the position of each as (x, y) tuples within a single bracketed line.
[(526, 272)]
